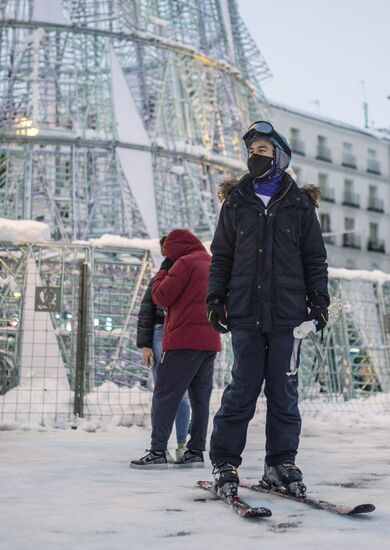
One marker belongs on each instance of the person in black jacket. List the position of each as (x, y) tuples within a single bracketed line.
[(268, 270), (150, 328)]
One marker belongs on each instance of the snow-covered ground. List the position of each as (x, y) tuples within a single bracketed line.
[(69, 488)]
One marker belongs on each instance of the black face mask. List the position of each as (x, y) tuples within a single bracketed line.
[(259, 165)]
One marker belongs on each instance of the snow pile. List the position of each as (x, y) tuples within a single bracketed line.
[(23, 231), (35, 404), (119, 405), (374, 276)]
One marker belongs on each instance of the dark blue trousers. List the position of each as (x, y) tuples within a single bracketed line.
[(181, 370), (259, 357)]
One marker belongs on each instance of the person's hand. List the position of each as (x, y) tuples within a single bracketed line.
[(318, 311), (216, 315), (166, 264), (147, 357)]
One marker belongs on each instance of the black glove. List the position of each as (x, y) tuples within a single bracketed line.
[(216, 315), (318, 310), (166, 264)]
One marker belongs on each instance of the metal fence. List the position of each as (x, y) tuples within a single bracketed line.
[(68, 317)]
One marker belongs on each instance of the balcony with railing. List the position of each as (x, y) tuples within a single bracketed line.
[(348, 160), (297, 146), (375, 205), (376, 245), (350, 240), (324, 153), (327, 194), (351, 199), (373, 166)]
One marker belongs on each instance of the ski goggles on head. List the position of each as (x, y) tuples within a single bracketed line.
[(265, 129)]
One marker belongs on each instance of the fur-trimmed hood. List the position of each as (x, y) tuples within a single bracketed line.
[(314, 193), (227, 186)]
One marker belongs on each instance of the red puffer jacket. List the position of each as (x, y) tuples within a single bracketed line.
[(182, 290)]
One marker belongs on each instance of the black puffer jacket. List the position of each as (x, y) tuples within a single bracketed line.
[(149, 315), (267, 262)]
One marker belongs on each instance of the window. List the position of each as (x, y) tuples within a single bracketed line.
[(326, 228), (374, 202), (323, 151), (322, 141), (373, 165), (350, 238), (325, 223), (327, 194), (372, 191), (349, 223), (348, 157), (348, 186), (295, 133), (323, 181), (375, 244), (347, 147), (373, 231), (350, 198), (297, 145)]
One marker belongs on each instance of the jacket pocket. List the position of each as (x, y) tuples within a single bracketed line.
[(290, 298), (239, 297)]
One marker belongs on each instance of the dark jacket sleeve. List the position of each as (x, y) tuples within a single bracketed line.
[(314, 255), (146, 319), (222, 250), (169, 284)]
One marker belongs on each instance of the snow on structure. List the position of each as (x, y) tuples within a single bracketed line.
[(23, 231)]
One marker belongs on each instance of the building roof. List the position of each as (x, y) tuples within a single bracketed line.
[(367, 132)]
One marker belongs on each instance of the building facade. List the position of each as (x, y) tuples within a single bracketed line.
[(351, 166)]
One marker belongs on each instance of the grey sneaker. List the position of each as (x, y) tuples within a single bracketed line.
[(180, 453), (154, 460), (191, 459)]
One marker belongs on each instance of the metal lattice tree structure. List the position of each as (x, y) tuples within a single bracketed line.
[(122, 116)]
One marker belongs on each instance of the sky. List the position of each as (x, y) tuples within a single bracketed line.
[(319, 51)]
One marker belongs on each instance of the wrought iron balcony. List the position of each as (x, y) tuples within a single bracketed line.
[(351, 199), (297, 146), (350, 240), (373, 166), (376, 245), (375, 205), (349, 160), (327, 194), (324, 153)]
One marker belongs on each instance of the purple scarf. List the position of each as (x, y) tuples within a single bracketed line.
[(268, 187)]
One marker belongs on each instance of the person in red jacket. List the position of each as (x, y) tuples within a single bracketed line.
[(189, 348)]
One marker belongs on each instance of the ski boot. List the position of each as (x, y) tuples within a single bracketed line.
[(226, 479), (190, 459), (154, 460), (286, 478)]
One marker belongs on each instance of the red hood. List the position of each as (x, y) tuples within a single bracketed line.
[(181, 242)]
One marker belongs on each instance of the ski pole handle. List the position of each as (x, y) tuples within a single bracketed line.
[(304, 329)]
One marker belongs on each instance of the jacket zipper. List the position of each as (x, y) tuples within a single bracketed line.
[(279, 199), (268, 207)]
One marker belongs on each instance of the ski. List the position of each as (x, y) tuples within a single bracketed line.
[(313, 502), (242, 508)]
